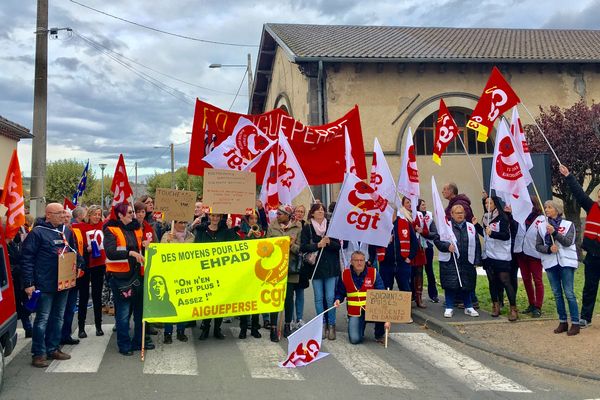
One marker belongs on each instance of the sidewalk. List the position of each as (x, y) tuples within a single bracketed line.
[(530, 341)]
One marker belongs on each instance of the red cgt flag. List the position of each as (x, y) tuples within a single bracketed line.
[(445, 131), (12, 197), (497, 98), (319, 149)]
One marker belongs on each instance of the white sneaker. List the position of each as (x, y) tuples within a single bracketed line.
[(448, 313), (299, 324), (471, 312)]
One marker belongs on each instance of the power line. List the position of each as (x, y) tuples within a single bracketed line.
[(152, 69), (148, 78), (161, 31), (238, 91)]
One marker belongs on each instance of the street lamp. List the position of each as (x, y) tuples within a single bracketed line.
[(248, 67), (102, 166), (172, 162)]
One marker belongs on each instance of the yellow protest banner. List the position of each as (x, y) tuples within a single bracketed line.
[(190, 281)]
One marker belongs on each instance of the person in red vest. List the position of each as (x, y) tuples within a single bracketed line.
[(395, 262), (590, 243), (353, 286)]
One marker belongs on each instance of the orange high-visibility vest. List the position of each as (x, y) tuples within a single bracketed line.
[(79, 239), (121, 266), (357, 299), (592, 223)]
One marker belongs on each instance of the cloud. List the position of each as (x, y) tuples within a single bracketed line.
[(98, 108), (586, 18)]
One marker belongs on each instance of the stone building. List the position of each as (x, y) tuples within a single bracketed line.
[(10, 134), (397, 76)]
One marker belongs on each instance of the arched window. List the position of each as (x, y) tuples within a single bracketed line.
[(425, 135)]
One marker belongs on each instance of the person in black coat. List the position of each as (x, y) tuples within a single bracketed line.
[(14, 255), (497, 260), (313, 239), (215, 231), (590, 243), (469, 249)]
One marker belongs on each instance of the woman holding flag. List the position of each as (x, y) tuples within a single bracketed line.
[(93, 240), (314, 239), (497, 254), (420, 259), (556, 244)]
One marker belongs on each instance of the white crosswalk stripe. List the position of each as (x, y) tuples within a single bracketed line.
[(178, 358), (21, 343), (262, 356), (366, 366), (86, 357), (472, 373)]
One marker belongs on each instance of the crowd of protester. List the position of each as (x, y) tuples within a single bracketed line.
[(111, 249)]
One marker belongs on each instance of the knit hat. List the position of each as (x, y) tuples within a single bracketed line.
[(286, 209)]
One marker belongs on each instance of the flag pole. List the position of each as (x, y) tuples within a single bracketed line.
[(456, 265), (142, 352), (328, 225), (542, 132), (470, 160)]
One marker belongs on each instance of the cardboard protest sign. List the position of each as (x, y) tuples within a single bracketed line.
[(175, 205), (67, 270), (190, 281), (388, 306), (229, 192)]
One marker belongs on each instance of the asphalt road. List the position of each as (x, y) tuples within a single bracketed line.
[(417, 364)]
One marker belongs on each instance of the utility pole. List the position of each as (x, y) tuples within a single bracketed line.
[(250, 82), (102, 166), (135, 184), (40, 112), (172, 166)]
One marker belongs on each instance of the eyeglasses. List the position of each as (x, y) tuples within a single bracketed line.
[(55, 212), (129, 212), (180, 222)]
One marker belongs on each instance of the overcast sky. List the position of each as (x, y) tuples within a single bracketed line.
[(97, 108)]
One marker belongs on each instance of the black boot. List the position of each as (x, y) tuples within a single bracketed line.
[(242, 334), (274, 336), (287, 331), (205, 328), (255, 333)]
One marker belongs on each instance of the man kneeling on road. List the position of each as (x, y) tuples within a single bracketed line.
[(354, 284)]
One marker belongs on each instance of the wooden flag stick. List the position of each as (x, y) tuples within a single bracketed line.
[(142, 352), (387, 330)]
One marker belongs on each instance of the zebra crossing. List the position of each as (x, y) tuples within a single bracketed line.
[(366, 366)]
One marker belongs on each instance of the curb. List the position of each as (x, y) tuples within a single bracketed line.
[(451, 332)]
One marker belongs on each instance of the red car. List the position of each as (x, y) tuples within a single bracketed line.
[(8, 310)]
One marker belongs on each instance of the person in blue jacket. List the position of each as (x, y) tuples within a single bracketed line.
[(41, 251)]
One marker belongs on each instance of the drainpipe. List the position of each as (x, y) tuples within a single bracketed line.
[(321, 114)]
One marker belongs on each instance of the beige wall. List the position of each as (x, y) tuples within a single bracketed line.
[(384, 95), (6, 148), (288, 87)]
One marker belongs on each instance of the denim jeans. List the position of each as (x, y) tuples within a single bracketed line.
[(325, 288), (294, 299), (122, 308), (69, 315), (180, 328), (356, 329), (561, 281), (402, 273), (48, 323), (452, 294)]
